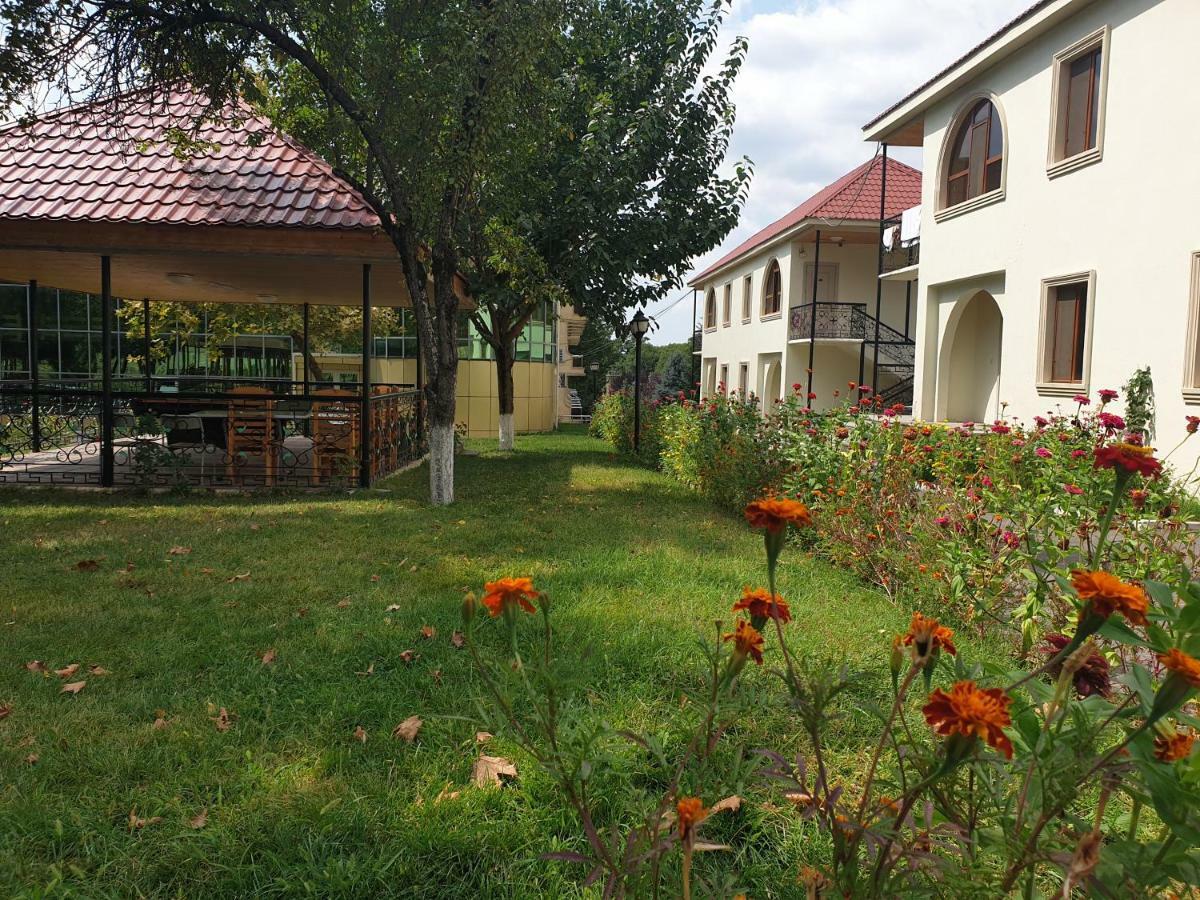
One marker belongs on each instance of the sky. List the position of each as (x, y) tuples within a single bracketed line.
[(816, 71)]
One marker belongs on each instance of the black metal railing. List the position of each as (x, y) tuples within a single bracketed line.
[(901, 254), (279, 434), (832, 321)]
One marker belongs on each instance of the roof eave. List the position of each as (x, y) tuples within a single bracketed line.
[(912, 108)]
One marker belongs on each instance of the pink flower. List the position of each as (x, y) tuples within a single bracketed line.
[(1082, 399), (985, 481), (1073, 489), (1193, 424), (1110, 421), (1000, 428), (1040, 421), (942, 520), (1107, 395), (1078, 454), (1017, 442), (1043, 453), (1010, 539)]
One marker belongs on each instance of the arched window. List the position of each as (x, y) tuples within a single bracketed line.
[(772, 290), (976, 155), (710, 309)]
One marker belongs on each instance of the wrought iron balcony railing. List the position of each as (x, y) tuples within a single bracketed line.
[(846, 321)]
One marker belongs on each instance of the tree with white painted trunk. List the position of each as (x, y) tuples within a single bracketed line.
[(420, 94)]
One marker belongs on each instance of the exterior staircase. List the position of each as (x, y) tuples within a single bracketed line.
[(897, 356)]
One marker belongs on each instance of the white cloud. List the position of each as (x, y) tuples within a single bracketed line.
[(816, 71)]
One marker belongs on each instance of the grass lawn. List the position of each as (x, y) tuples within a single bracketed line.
[(295, 803)]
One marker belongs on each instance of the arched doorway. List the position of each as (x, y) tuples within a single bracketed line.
[(970, 364), (772, 386)]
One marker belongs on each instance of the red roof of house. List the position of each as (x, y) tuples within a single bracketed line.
[(853, 197), (85, 164)]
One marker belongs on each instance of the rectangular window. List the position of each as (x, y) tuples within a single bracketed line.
[(1068, 308), (727, 305), (747, 286), (723, 385), (1191, 365), (743, 379), (1077, 122)]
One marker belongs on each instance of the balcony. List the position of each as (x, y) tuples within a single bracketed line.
[(834, 321), (901, 251)]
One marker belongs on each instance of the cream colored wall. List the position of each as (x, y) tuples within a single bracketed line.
[(477, 402), (760, 341), (1130, 217)]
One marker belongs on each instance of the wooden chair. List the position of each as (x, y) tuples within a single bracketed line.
[(335, 433), (250, 430)]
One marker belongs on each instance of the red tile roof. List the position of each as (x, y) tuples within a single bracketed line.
[(79, 165), (853, 197)]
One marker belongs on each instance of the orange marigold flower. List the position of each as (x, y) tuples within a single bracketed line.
[(1106, 594), (691, 812), (747, 641), (972, 712), (498, 594), (776, 513), (1128, 457), (1174, 746), (1186, 667), (926, 634), (758, 603)]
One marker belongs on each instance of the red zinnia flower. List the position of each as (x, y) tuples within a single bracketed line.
[(1107, 395), (508, 591), (1193, 424), (1129, 458)]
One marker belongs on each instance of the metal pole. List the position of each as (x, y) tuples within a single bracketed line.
[(812, 325), (147, 364), (304, 351), (879, 270), (907, 305), (364, 463), (106, 398), (35, 405), (693, 367), (637, 392), (862, 364)]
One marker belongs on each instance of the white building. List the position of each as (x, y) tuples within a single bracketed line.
[(1058, 252), (760, 332)]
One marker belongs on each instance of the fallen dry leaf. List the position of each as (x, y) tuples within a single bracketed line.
[(428, 632), (393, 608), (408, 656), (489, 770), (160, 724), (255, 526), (482, 737), (31, 759), (408, 729), (136, 821), (222, 720), (73, 688), (98, 671), (446, 794), (302, 612), (205, 570), (436, 675), (733, 804), (269, 657), (245, 576), (87, 565), (67, 671), (129, 567), (179, 551), (36, 665), (5, 710), (374, 577), (370, 671), (457, 639), (199, 820), (344, 603), (360, 734)]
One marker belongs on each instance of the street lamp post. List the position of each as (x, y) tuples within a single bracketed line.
[(638, 327), (594, 368)]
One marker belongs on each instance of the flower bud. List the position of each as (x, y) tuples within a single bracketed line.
[(469, 606)]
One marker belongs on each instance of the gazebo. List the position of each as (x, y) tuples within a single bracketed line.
[(102, 200)]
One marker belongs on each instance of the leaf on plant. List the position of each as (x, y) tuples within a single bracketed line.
[(199, 820), (223, 720), (268, 658), (428, 632), (360, 734), (408, 656), (136, 821), (457, 639), (492, 770), (179, 551), (733, 804), (245, 576), (67, 671), (87, 565), (408, 729), (36, 665), (73, 687)]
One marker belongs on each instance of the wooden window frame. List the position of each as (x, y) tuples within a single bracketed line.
[(1191, 360), (1057, 162), (962, 118), (1045, 360), (773, 267), (710, 306), (723, 379), (727, 305), (744, 380), (747, 297)]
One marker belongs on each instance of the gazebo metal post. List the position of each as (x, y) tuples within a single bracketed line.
[(812, 323), (695, 379), (304, 351), (879, 270), (147, 362), (106, 399), (364, 464), (35, 403)]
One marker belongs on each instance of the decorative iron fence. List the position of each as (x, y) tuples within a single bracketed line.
[(845, 321), (278, 435)]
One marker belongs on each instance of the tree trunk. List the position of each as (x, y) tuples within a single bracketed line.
[(504, 389)]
